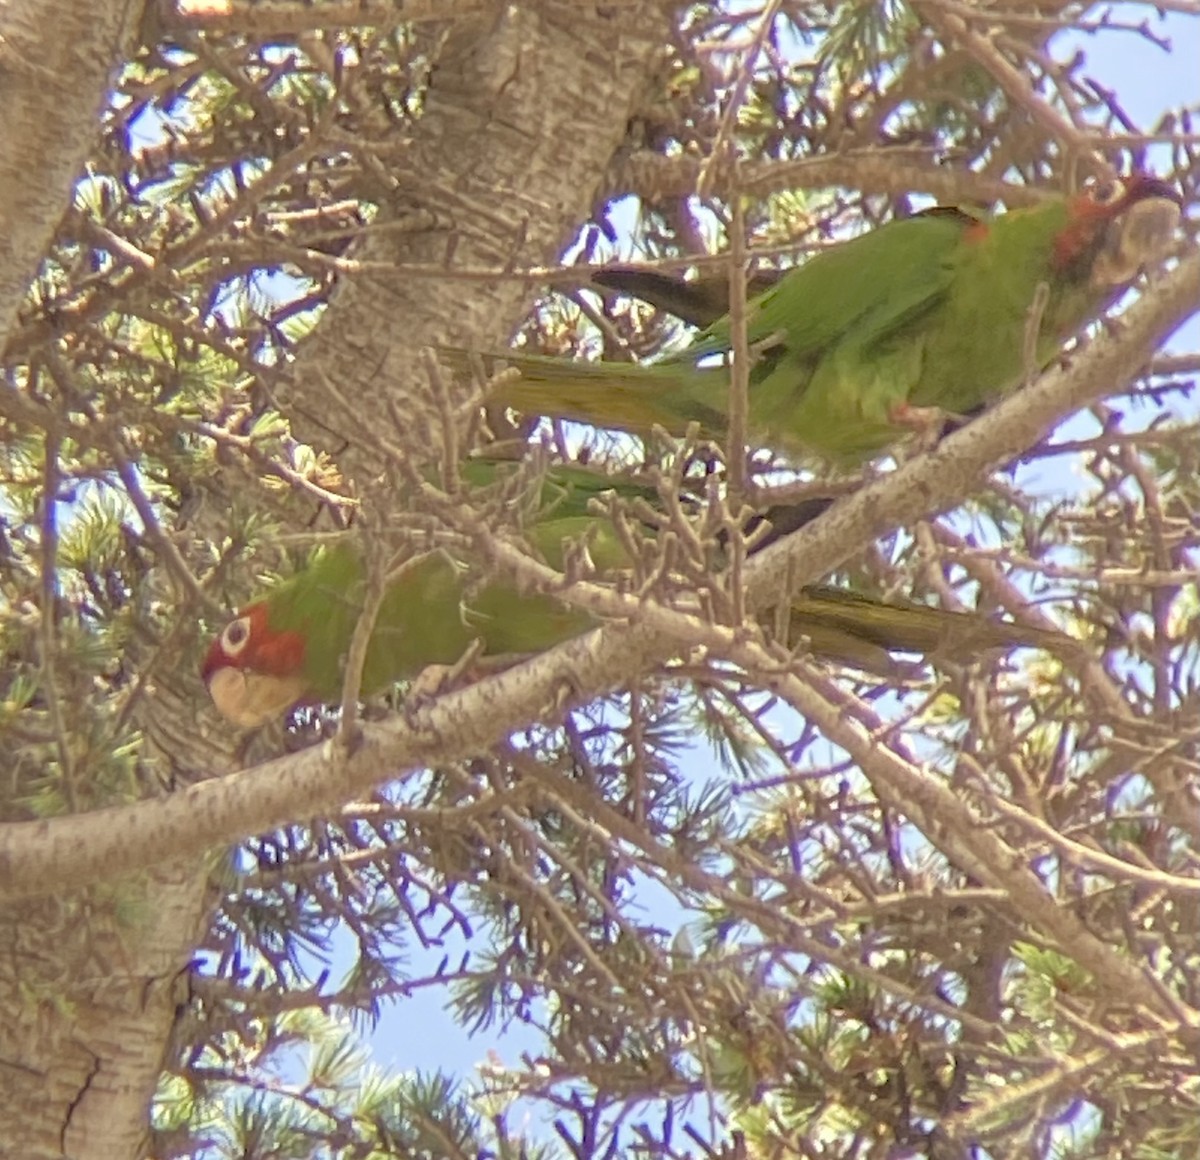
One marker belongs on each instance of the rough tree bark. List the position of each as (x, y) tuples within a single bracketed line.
[(56, 60), (512, 148)]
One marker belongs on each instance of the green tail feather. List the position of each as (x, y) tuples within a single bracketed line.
[(623, 396), (861, 631)]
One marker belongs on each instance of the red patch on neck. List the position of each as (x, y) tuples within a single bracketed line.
[(1084, 218), (976, 232)]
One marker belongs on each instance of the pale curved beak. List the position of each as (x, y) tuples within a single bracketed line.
[(1143, 235), (249, 699)]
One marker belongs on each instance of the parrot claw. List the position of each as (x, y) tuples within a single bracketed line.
[(566, 693), (434, 680), (929, 424), (919, 419), (427, 686), (429, 682), (309, 728)]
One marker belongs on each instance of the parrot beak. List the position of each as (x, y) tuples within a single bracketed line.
[(249, 699), (1141, 236)]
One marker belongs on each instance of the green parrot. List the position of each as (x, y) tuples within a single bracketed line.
[(288, 648), (924, 317)]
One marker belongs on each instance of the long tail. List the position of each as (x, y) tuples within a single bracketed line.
[(859, 630), (698, 301), (622, 396)]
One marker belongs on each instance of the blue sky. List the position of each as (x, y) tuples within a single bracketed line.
[(420, 1033)]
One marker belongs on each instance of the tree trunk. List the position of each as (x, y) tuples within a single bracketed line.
[(57, 58), (90, 983)]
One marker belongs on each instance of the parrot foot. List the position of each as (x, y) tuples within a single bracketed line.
[(930, 424), (434, 680), (429, 682), (567, 692), (307, 727), (426, 687), (919, 419), (242, 758)]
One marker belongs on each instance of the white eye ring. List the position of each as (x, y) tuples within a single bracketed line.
[(1107, 192), (236, 636)]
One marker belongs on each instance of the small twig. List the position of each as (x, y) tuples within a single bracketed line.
[(176, 565), (891, 171), (270, 465), (949, 823), (1071, 1073), (49, 642), (739, 376), (444, 399), (1017, 86), (723, 142), (1033, 331), (1088, 857), (374, 589)]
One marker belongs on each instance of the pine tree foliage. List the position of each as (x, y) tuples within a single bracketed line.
[(745, 903)]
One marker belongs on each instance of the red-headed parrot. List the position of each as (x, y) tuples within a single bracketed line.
[(288, 648), (869, 338)]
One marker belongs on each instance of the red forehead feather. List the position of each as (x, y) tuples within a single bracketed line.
[(277, 654)]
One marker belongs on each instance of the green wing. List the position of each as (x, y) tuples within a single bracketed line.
[(840, 340), (868, 288), (432, 610)]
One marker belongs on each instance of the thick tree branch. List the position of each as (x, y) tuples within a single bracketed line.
[(963, 836), (479, 189)]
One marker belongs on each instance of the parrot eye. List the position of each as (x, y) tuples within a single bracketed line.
[(236, 636), (1107, 192)]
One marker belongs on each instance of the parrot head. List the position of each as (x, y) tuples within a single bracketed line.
[(1116, 227), (254, 673)]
